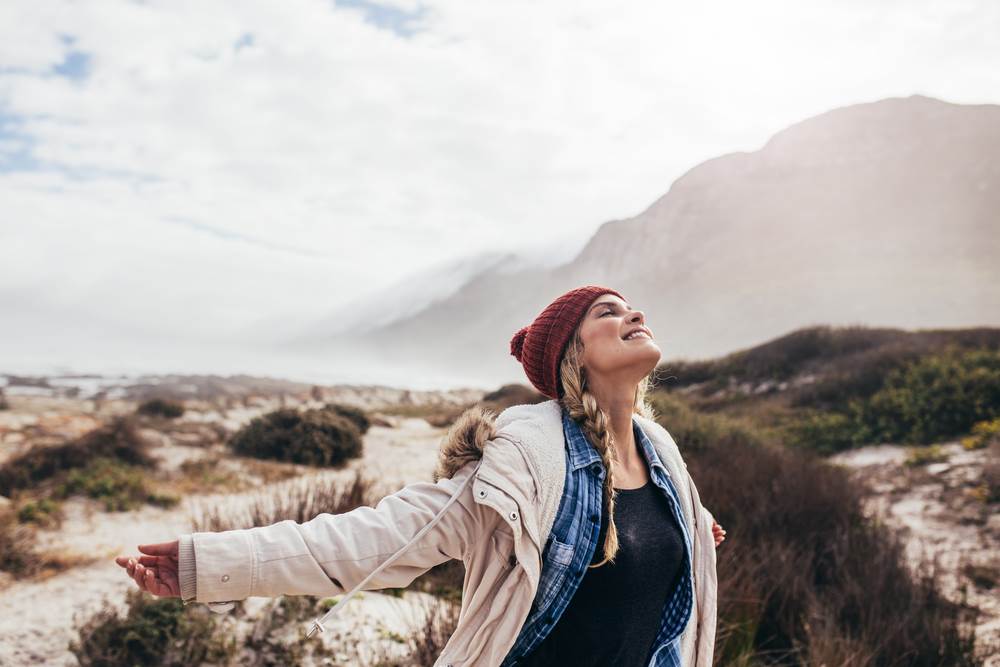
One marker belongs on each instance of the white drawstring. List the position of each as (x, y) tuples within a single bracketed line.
[(317, 625)]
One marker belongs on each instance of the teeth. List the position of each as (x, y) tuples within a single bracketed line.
[(636, 334)]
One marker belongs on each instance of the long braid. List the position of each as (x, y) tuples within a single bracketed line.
[(582, 407)]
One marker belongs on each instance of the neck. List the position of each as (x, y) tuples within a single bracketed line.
[(618, 406)]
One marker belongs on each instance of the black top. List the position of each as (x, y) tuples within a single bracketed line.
[(614, 616)]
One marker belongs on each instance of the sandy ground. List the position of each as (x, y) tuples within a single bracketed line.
[(37, 618), (940, 519)]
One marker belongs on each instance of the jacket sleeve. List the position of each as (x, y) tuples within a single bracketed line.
[(709, 517), (332, 553)]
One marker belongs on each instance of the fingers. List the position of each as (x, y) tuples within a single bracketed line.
[(145, 560), (152, 574), (140, 574), (160, 549)]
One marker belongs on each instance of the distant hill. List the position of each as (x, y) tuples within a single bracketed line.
[(882, 214)]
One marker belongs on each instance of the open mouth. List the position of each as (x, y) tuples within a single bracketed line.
[(637, 335)]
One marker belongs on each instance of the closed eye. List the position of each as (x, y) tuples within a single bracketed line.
[(607, 312)]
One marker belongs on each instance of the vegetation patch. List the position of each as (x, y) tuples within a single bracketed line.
[(355, 415), (299, 502), (804, 577), (983, 434), (118, 486), (118, 440), (317, 437), (44, 512), (19, 556), (152, 631), (160, 407), (990, 485), (935, 397), (918, 456)]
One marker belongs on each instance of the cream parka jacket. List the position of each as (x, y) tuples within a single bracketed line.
[(497, 490)]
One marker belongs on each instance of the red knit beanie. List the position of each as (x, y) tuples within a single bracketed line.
[(540, 345)]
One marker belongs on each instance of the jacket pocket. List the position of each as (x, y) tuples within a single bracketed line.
[(502, 541)]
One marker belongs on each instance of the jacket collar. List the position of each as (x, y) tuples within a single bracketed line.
[(468, 435)]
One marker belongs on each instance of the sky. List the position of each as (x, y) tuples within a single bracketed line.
[(184, 171)]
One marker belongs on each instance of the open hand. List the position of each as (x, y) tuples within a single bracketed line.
[(718, 532), (156, 571)]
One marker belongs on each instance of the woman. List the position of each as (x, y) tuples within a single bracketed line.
[(528, 501)]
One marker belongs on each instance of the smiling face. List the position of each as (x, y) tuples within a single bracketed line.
[(612, 351)]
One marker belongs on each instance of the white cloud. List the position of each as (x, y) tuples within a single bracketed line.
[(339, 156)]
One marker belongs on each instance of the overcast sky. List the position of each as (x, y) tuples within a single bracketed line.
[(193, 167)]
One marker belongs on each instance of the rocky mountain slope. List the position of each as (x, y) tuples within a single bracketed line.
[(880, 213)]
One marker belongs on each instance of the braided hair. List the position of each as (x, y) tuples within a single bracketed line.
[(582, 407)]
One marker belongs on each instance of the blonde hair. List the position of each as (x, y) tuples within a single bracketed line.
[(582, 407)]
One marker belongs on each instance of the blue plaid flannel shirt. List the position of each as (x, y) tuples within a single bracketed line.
[(571, 546)]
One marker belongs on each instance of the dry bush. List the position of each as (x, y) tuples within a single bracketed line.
[(511, 394), (17, 547), (160, 407), (313, 437), (804, 578), (20, 558), (118, 440), (438, 620), (153, 631), (356, 415)]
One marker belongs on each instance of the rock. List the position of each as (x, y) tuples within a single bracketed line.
[(938, 468)]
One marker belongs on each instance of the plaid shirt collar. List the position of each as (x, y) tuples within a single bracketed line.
[(582, 453)]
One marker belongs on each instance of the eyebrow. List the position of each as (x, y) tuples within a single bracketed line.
[(607, 303)]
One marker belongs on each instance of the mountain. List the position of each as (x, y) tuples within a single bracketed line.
[(884, 214)]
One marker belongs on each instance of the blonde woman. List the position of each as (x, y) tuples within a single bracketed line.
[(583, 536)]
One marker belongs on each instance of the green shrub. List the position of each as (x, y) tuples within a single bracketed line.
[(918, 456), (693, 430), (313, 437), (153, 631), (159, 407), (984, 433), (43, 512), (931, 398), (117, 440), (356, 415), (821, 432), (937, 397), (4, 405), (119, 486)]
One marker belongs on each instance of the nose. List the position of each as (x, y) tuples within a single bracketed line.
[(637, 316)]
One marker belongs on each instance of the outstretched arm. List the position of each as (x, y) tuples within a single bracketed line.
[(325, 556)]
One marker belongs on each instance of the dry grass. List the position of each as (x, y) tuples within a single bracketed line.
[(299, 501), (804, 578), (429, 637), (19, 557)]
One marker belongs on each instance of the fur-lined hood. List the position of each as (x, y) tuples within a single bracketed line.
[(465, 440)]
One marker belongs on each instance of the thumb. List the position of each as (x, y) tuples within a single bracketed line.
[(160, 549)]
